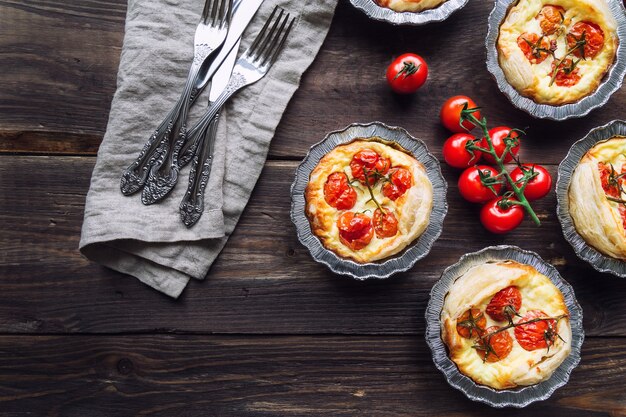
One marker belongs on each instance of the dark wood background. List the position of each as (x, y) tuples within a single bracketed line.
[(269, 332)]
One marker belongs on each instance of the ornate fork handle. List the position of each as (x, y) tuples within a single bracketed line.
[(203, 138)]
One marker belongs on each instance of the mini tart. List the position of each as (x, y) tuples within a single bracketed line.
[(597, 219), (409, 5), (535, 79), (412, 209), (521, 367)]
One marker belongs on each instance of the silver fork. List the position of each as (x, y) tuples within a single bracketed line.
[(250, 67), (210, 34)]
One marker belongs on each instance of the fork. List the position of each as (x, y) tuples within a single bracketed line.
[(159, 150), (250, 67)]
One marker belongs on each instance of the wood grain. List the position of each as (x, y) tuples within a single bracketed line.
[(264, 272), (267, 376)]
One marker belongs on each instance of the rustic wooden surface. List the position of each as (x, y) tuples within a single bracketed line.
[(269, 332)]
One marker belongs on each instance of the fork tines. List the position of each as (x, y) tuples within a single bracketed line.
[(216, 11), (270, 40)]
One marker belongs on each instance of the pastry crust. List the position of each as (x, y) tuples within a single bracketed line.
[(474, 289), (533, 80), (412, 209), (597, 219), (409, 5)]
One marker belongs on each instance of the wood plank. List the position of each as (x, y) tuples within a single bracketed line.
[(268, 376), (264, 274), (72, 83)]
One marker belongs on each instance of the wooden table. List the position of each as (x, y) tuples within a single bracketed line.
[(269, 332)]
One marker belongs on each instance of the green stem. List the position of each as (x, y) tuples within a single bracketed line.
[(518, 191)]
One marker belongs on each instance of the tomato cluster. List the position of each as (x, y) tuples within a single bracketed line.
[(368, 169), (534, 330), (485, 179)]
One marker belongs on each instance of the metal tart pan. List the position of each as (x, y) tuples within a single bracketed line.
[(384, 14), (522, 396), (584, 251), (404, 259), (611, 82)]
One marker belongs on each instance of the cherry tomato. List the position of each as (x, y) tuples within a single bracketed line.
[(450, 114), (538, 334), (401, 180), (497, 219), (367, 160), (505, 304), (497, 135), (534, 47), (594, 39), (612, 189), (472, 188), (494, 346), (567, 75), (338, 193), (550, 18), (539, 186), (471, 323), (385, 224), (455, 153), (407, 73), (355, 230)]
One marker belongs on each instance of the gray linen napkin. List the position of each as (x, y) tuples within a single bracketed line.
[(150, 242)]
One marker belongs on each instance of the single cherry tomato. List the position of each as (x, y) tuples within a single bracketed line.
[(497, 218), (537, 333), (534, 47), (407, 73), (567, 75), (450, 114), (368, 161), (471, 323), (494, 345), (338, 193), (505, 304), (456, 154), (537, 187), (550, 18), (399, 182), (471, 184), (498, 137), (593, 39), (385, 224), (355, 230)]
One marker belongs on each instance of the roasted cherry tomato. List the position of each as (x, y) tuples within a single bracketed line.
[(494, 345), (567, 74), (550, 18), (385, 224), (355, 230), (368, 161), (505, 304), (471, 324), (407, 73), (537, 333), (471, 184), (537, 187), (450, 114), (456, 154), (498, 135), (593, 39), (399, 182), (611, 188), (535, 48), (499, 219), (338, 193)]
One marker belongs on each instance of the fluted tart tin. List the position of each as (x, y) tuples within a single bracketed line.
[(584, 251), (521, 396), (611, 82), (384, 14), (405, 259)]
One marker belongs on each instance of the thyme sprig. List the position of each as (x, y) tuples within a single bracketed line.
[(615, 180), (579, 45)]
